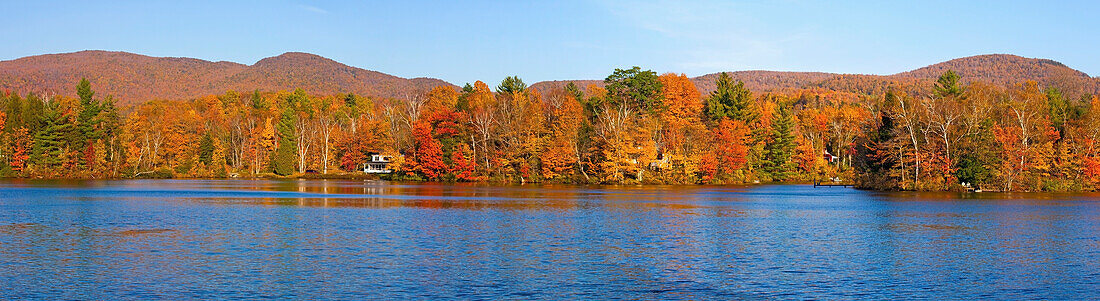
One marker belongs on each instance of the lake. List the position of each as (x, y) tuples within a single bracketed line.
[(324, 239)]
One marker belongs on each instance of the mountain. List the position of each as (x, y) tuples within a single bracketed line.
[(544, 86), (760, 80), (1000, 69), (1005, 69), (317, 74), (756, 80), (134, 78)]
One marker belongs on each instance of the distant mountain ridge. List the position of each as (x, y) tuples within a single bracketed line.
[(1000, 69), (134, 78)]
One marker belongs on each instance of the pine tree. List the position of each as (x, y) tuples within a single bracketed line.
[(948, 85), (730, 100), (87, 120), (14, 112), (282, 161), (111, 124), (976, 164), (779, 151), (206, 149), (511, 84), (258, 102), (48, 140)]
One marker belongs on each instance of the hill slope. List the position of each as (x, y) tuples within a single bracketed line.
[(1000, 69), (756, 80), (134, 78), (1005, 69)]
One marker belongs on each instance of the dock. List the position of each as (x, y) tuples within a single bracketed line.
[(818, 183)]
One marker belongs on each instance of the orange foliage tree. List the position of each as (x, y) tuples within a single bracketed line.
[(728, 151), (563, 115), (428, 158)]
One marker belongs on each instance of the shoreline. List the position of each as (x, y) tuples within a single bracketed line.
[(362, 177)]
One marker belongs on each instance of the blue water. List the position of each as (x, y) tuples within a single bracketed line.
[(217, 239)]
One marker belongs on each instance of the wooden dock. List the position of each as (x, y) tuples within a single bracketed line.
[(817, 183)]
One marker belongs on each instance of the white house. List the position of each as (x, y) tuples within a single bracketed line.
[(378, 164)]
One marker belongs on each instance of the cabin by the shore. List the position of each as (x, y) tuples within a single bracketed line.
[(378, 164)]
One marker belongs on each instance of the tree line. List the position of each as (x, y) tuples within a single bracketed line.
[(638, 128)]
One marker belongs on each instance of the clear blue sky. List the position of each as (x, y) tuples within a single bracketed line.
[(574, 39)]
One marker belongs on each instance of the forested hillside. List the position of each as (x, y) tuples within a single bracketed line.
[(1006, 69), (133, 78), (999, 69), (635, 126)]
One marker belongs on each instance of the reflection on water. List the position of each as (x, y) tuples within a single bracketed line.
[(352, 240)]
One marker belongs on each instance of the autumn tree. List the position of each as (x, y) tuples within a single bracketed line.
[(727, 154), (563, 114), (1023, 131), (683, 132), (521, 134), (21, 145), (945, 111), (977, 151), (428, 158), (879, 150), (482, 107), (463, 166), (626, 129)]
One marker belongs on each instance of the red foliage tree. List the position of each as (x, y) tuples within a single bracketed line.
[(428, 158), (463, 167), (21, 146), (729, 151)]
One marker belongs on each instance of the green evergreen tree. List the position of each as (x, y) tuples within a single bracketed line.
[(282, 160), (351, 102), (979, 157), (33, 112), (49, 143), (1059, 109), (84, 90), (111, 125), (206, 149), (258, 101), (512, 84), (730, 100), (778, 152), (948, 85), (14, 111), (637, 89), (572, 89), (87, 121)]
